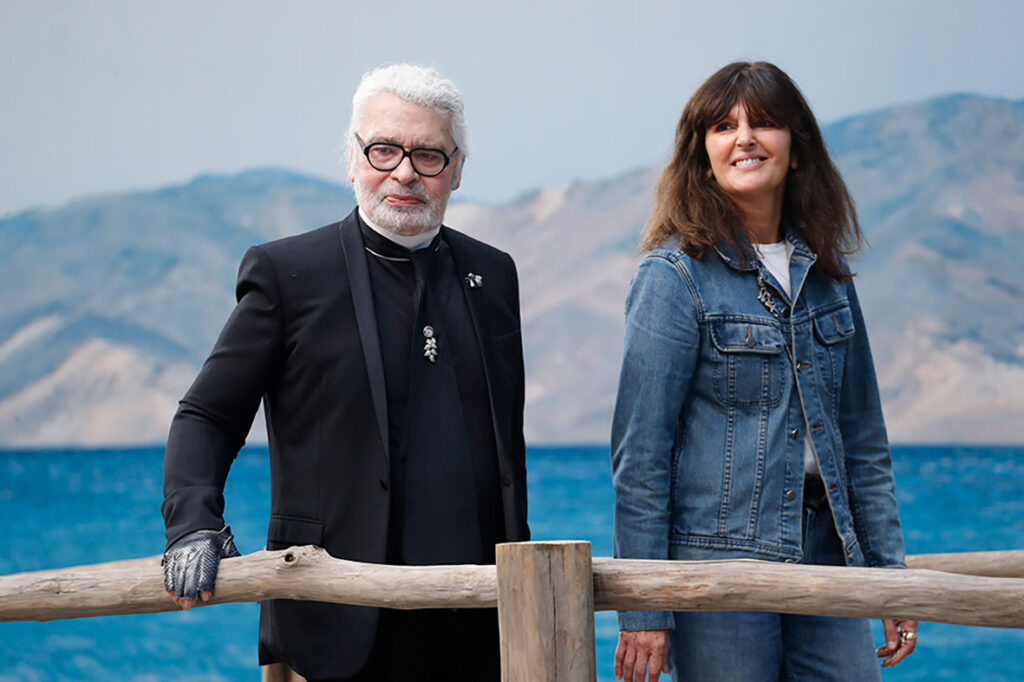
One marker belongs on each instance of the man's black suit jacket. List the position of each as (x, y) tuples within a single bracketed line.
[(303, 338)]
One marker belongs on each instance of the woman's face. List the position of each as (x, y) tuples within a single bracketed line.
[(749, 158)]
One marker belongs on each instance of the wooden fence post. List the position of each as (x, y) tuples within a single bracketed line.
[(546, 612)]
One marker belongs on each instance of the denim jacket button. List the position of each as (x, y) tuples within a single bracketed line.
[(794, 433), (790, 495)]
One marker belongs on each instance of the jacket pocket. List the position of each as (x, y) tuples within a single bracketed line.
[(832, 330), (749, 368), (286, 531), (835, 326)]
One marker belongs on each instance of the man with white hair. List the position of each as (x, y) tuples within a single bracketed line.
[(386, 349)]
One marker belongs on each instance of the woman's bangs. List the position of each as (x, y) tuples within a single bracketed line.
[(764, 99), (757, 92)]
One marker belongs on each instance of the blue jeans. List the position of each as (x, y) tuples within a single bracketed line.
[(743, 646)]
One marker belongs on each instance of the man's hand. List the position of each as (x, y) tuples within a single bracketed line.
[(190, 565), (641, 653), (900, 640)]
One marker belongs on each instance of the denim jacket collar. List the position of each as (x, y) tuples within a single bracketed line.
[(802, 260), (735, 259)]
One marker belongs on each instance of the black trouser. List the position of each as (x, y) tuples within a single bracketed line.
[(427, 645)]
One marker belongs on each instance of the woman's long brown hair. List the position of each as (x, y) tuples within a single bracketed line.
[(690, 205)]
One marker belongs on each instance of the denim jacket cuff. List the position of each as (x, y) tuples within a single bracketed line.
[(646, 620)]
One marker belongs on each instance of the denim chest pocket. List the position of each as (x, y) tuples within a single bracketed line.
[(748, 369), (832, 330)]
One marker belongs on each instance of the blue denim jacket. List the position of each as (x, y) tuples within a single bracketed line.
[(715, 395)]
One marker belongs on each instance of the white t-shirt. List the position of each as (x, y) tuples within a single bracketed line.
[(775, 258)]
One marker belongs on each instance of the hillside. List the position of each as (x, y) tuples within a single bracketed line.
[(111, 303)]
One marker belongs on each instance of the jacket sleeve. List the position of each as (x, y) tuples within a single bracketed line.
[(870, 486), (660, 352), (216, 413)]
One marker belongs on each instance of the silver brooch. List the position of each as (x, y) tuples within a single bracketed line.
[(474, 281), (430, 347)]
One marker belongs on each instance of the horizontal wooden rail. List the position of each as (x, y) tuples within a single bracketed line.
[(747, 585), (999, 564), (309, 573), (305, 573)]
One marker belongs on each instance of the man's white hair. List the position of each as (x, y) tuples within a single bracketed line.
[(418, 84)]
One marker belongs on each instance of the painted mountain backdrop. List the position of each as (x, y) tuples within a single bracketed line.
[(110, 304)]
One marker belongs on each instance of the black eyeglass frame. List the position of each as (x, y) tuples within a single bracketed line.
[(405, 153)]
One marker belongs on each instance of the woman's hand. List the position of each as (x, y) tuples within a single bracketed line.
[(900, 640), (641, 653)]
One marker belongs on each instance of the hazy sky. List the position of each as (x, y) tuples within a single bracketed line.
[(115, 95)]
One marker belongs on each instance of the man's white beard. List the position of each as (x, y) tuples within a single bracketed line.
[(407, 221)]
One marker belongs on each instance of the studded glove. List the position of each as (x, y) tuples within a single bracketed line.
[(190, 564)]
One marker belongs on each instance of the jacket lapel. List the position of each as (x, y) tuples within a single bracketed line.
[(366, 320), (481, 312)]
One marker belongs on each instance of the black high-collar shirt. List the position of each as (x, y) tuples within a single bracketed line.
[(393, 281)]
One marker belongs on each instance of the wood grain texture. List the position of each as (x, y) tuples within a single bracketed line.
[(546, 612), (304, 573), (998, 564), (743, 584), (309, 573)]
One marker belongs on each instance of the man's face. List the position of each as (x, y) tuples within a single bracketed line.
[(401, 200)]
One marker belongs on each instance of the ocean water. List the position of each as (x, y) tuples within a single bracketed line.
[(63, 508)]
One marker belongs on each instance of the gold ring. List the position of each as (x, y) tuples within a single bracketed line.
[(908, 636)]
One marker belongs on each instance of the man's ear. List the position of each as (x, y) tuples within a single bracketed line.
[(457, 175)]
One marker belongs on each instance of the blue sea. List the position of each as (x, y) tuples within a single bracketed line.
[(69, 507)]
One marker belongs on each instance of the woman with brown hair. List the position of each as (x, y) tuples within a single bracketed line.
[(748, 422)]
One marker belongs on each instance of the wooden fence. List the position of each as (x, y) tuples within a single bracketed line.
[(546, 592)]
